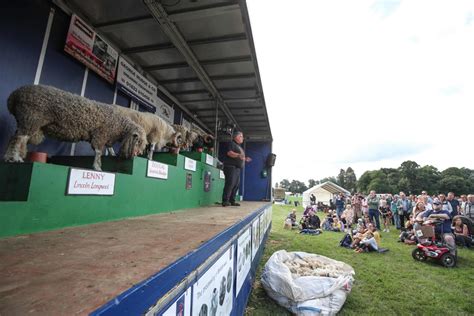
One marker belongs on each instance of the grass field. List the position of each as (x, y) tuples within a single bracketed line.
[(391, 283)]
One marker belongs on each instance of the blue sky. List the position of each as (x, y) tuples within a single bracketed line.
[(365, 83)]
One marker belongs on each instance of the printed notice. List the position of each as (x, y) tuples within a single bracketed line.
[(189, 164), (244, 257), (157, 170), (90, 182), (212, 293)]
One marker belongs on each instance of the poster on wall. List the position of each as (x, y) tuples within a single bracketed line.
[(89, 182), (207, 181), (189, 180), (83, 43), (262, 226), (244, 257), (255, 237), (212, 293), (165, 111), (181, 307)]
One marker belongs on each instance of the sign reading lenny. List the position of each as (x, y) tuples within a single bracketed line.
[(157, 170), (89, 182)]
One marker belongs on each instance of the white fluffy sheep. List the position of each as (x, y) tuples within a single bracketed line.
[(43, 110), (158, 132)]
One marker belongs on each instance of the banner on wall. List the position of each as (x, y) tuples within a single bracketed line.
[(255, 237), (212, 293), (134, 84), (83, 43), (244, 257), (182, 306), (130, 81)]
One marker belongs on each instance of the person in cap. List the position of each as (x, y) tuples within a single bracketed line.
[(444, 230), (234, 162)]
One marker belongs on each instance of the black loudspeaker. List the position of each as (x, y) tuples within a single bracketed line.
[(270, 160)]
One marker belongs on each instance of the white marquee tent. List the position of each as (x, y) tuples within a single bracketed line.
[(323, 192)]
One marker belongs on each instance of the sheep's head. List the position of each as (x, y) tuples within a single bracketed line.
[(191, 138), (176, 140), (209, 140), (134, 143)]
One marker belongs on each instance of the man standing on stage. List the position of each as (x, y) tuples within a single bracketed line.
[(234, 161)]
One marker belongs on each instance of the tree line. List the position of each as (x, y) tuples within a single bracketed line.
[(410, 177)]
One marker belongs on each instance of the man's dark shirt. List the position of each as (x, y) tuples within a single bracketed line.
[(454, 203), (236, 162)]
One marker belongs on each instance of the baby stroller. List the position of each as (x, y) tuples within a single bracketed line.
[(434, 247)]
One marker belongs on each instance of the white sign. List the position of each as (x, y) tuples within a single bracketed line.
[(255, 237), (90, 182), (221, 174), (182, 306), (212, 293), (189, 164), (157, 170), (209, 160), (244, 257), (136, 85)]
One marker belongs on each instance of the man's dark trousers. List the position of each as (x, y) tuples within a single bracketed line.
[(232, 181)]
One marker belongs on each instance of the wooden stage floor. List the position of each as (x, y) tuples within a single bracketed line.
[(74, 271)]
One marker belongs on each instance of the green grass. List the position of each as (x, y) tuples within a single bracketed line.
[(385, 284)]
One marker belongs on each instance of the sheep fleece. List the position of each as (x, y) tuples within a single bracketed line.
[(67, 117)]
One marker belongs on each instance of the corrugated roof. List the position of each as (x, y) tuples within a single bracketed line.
[(200, 52)]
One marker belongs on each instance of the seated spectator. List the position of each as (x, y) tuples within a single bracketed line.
[(337, 225), (310, 221), (461, 233), (370, 240), (292, 218), (328, 221), (443, 230)]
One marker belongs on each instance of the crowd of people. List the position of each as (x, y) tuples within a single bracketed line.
[(362, 217)]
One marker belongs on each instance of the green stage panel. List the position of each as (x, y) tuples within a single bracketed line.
[(33, 195)]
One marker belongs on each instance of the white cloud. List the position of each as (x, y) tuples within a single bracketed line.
[(344, 77)]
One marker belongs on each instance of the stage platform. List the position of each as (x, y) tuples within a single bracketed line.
[(126, 267)]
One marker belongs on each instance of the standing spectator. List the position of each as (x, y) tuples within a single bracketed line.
[(340, 202), (463, 202), (428, 198), (469, 207), (455, 205), (373, 204), (364, 207), (404, 208), (446, 206), (394, 209), (357, 206), (312, 199)]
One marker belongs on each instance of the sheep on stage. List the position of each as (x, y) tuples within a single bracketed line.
[(46, 111)]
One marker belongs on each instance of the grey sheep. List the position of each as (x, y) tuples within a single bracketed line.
[(46, 111), (158, 132)]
